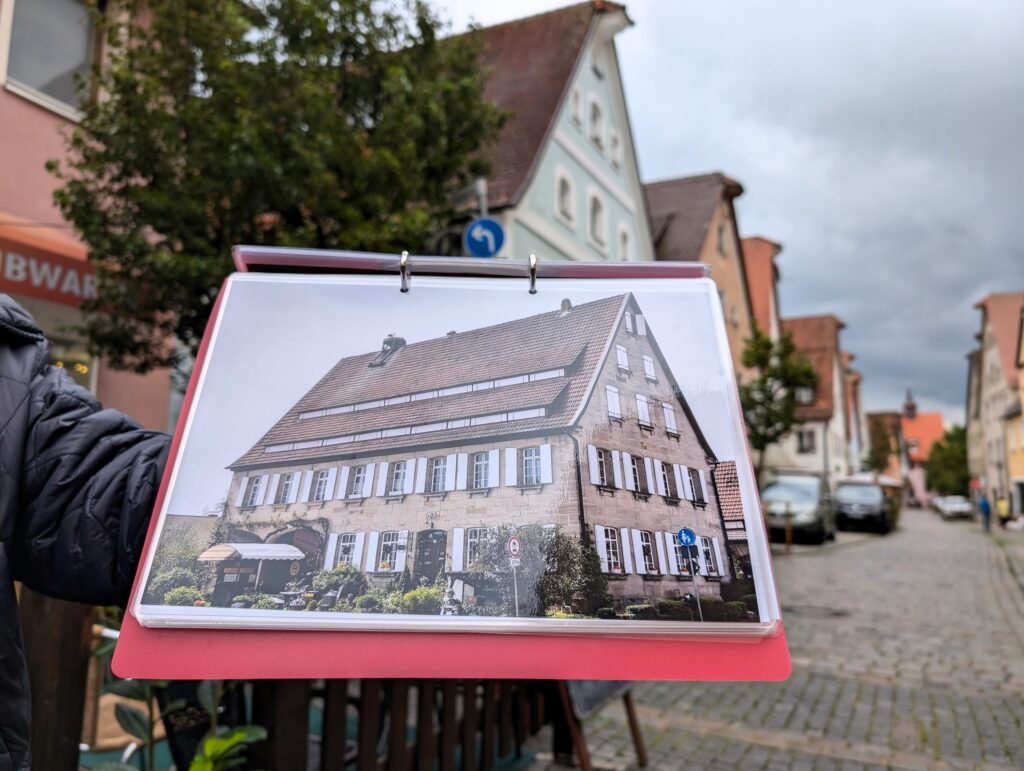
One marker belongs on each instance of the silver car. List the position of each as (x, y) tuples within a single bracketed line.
[(805, 497)]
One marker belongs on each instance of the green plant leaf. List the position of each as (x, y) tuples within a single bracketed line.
[(130, 689), (132, 720), (206, 692)]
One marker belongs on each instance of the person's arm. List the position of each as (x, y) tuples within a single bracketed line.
[(88, 482)]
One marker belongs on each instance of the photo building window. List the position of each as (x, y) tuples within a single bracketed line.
[(398, 471), (695, 483), (649, 372), (639, 472), (668, 480), (388, 551), (438, 471), (476, 537), (614, 405), (612, 552), (643, 410), (481, 469), (284, 488), (709, 556), (357, 481), (531, 466), (319, 486), (670, 419), (685, 557), (604, 465), (630, 328), (647, 551), (346, 549), (252, 491), (622, 358)]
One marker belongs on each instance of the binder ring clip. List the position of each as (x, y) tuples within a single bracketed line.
[(403, 266), (533, 274)]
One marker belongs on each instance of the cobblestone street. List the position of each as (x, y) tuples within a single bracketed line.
[(908, 652)]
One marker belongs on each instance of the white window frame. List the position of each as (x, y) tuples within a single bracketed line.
[(603, 457), (683, 557), (252, 492), (399, 470), (438, 465), (318, 490), (695, 484), (597, 227), (284, 489), (612, 550), (668, 479), (804, 395), (714, 569), (390, 544), (566, 215), (346, 556), (647, 551), (356, 481), (530, 466), (641, 483), (480, 462), (475, 537), (622, 358)]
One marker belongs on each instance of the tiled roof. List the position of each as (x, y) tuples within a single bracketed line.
[(681, 211), (530, 62), (817, 338), (925, 429), (1002, 310), (762, 274), (576, 342), (728, 485)]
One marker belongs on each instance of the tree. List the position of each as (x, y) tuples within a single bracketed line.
[(946, 467), (769, 400), (880, 448), (309, 123)]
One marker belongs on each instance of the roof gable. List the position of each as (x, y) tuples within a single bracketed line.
[(1002, 312), (759, 261), (817, 338), (681, 210), (924, 429)]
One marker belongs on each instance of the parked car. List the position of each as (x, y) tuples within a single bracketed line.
[(863, 503), (805, 496), (953, 506)]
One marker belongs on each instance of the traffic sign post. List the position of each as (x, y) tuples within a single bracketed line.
[(514, 547), (688, 538), (483, 237)]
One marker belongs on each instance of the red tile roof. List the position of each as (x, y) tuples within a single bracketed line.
[(921, 432), (817, 338), (576, 341), (728, 485), (1002, 311), (531, 62), (762, 275), (681, 211)]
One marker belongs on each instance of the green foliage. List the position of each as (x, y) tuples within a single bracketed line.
[(606, 613), (175, 563), (424, 601), (563, 614), (344, 578), (710, 606), (769, 399), (946, 466), (163, 581), (379, 601), (677, 610), (750, 600), (643, 612), (222, 749), (880, 445), (183, 595), (133, 720), (316, 123), (734, 611), (262, 601)]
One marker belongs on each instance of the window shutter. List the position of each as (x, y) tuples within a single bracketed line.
[(372, 558), (421, 475), (332, 547), (641, 325), (293, 491), (649, 469), (687, 483), (658, 481), (670, 548), (617, 468), (702, 563), (659, 544), (410, 476), (342, 483), (649, 371), (382, 479), (703, 487), (332, 477), (602, 551), (403, 550), (241, 490), (263, 489), (622, 358), (614, 406), (718, 557), (627, 560), (493, 459), (458, 544), (546, 475), (272, 492), (307, 481), (368, 480), (511, 466), (357, 551), (627, 471), (595, 472), (670, 416), (629, 322), (461, 471), (643, 412), (682, 489), (638, 553), (450, 463)]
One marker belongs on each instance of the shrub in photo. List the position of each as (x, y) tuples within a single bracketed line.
[(642, 612), (424, 601), (607, 613), (711, 608), (165, 580), (676, 610), (183, 595), (265, 602), (345, 579), (751, 602), (734, 611)]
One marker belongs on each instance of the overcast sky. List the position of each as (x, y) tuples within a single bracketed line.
[(880, 143)]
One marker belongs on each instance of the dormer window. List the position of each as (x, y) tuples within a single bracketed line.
[(596, 125)]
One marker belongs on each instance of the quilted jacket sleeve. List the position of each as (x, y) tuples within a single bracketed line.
[(89, 478)]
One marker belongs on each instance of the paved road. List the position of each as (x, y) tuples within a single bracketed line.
[(908, 652)]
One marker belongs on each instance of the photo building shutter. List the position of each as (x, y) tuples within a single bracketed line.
[(627, 471), (602, 548), (681, 476), (614, 406), (357, 551), (382, 479), (659, 539), (272, 492), (263, 489), (687, 483), (242, 483), (332, 477), (670, 547), (343, 483), (546, 475), (595, 472), (629, 322), (511, 466), (461, 471), (617, 468), (307, 481), (638, 553), (368, 480), (450, 463), (293, 491), (458, 544), (332, 547), (403, 550), (627, 560), (493, 461), (641, 325), (703, 486), (659, 482), (410, 476), (718, 557), (649, 469), (670, 416), (702, 563), (372, 561), (421, 475)]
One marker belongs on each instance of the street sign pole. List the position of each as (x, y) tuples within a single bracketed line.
[(693, 578), (515, 590)]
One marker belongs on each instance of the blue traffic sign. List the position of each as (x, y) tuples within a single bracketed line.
[(483, 237), (687, 537)]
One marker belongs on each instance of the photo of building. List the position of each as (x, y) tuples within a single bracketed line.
[(407, 462)]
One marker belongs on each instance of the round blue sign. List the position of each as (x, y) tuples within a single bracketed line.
[(687, 537), (483, 237)]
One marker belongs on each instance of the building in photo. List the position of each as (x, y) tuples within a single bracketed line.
[(920, 430), (408, 457)]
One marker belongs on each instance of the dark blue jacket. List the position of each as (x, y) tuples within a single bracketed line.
[(77, 485)]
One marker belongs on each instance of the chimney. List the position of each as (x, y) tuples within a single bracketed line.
[(566, 307), (451, 333)]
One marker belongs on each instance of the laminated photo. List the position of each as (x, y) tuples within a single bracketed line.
[(464, 456)]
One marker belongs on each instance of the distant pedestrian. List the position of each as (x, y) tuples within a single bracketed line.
[(1003, 510), (985, 509)]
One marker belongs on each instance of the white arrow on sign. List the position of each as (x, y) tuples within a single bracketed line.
[(478, 232)]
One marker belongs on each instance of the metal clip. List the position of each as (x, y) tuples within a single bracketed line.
[(403, 266), (533, 274)]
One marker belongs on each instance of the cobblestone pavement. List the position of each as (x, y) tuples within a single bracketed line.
[(908, 652)]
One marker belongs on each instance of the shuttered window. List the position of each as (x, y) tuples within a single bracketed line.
[(346, 548), (252, 491), (531, 466), (612, 552), (356, 482), (476, 537), (640, 483), (710, 560), (622, 358), (480, 470), (629, 323), (438, 471), (284, 488), (669, 481), (670, 418), (643, 410), (684, 557), (647, 551), (388, 550), (649, 372), (398, 471), (319, 486), (614, 406), (697, 484)]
